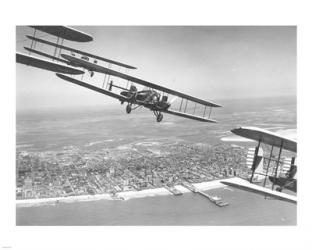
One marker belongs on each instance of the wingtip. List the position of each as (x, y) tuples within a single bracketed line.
[(235, 130), (60, 75), (218, 106), (213, 121)]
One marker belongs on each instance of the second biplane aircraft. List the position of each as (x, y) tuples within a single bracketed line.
[(154, 97), (281, 170)]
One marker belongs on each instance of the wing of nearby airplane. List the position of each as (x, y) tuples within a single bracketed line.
[(281, 172), (65, 32), (101, 69), (266, 137), (245, 185), (47, 65), (80, 52)]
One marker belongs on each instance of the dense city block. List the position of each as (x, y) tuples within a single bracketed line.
[(145, 165)]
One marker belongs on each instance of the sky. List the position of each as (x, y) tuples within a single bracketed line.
[(209, 62)]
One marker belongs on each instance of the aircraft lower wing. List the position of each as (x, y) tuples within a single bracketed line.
[(47, 65), (245, 185), (92, 87), (46, 55), (185, 115)]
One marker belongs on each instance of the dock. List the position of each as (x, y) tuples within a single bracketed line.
[(214, 199)]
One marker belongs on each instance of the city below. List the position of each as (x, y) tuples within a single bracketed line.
[(131, 167)]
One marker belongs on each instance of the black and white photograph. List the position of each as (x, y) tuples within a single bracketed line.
[(156, 125)]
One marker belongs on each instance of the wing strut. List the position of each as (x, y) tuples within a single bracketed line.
[(267, 170), (104, 81), (33, 43), (194, 109), (60, 51), (185, 106), (205, 111), (210, 112), (55, 49), (253, 168), (278, 162), (181, 105)]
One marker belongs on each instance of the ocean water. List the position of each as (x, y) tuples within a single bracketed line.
[(109, 127), (189, 209)]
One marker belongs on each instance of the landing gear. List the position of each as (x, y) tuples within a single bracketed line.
[(91, 73), (128, 109), (159, 116), (279, 189)]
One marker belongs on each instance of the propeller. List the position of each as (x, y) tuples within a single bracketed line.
[(173, 99)]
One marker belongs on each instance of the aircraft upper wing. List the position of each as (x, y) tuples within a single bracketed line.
[(266, 137), (245, 185), (79, 52), (65, 32), (94, 67), (92, 87), (47, 65)]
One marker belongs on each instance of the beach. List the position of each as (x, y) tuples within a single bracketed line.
[(203, 186)]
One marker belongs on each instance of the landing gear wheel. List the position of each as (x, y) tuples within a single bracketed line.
[(128, 109), (159, 117)]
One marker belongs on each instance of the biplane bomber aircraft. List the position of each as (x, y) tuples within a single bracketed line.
[(68, 62), (272, 169)]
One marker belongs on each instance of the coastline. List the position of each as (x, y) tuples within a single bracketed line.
[(203, 186)]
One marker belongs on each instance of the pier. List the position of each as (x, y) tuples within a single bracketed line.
[(173, 190), (214, 199)]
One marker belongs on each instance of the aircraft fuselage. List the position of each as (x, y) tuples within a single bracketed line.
[(147, 98)]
